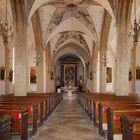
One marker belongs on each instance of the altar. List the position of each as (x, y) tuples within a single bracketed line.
[(68, 91)]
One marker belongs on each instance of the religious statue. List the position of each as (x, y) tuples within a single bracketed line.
[(58, 80), (80, 84), (80, 80)]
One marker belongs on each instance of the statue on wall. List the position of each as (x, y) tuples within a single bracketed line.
[(58, 81), (80, 82), (87, 68), (2, 73), (32, 75)]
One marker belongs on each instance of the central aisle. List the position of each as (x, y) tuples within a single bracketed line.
[(68, 122)]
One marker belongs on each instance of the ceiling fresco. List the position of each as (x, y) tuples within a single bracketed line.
[(72, 35), (62, 14), (63, 3), (61, 21)]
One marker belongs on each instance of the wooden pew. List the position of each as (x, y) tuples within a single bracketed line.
[(130, 128), (103, 114), (47, 104), (19, 121), (107, 101), (113, 120), (90, 101), (32, 119), (53, 99), (5, 127), (24, 100)]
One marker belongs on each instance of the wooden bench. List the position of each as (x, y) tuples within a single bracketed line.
[(130, 128), (96, 104), (19, 121), (113, 120), (24, 100), (32, 119), (5, 127), (102, 114), (35, 103), (53, 99)]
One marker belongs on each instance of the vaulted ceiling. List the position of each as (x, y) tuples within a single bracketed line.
[(66, 21), (62, 22)]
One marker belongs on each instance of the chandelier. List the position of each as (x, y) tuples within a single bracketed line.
[(134, 30), (104, 59), (6, 30), (37, 60)]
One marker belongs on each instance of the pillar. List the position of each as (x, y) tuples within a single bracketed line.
[(48, 70), (21, 72), (123, 51), (40, 70), (20, 86), (102, 85), (7, 63), (133, 69)]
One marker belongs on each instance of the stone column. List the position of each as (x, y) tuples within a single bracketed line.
[(20, 23), (94, 85), (48, 70), (93, 69), (123, 50), (114, 76), (7, 59), (84, 77), (48, 82), (102, 81), (20, 86), (122, 82), (133, 69), (40, 70), (53, 78), (92, 80)]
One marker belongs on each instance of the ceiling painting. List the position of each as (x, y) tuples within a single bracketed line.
[(72, 35), (62, 14)]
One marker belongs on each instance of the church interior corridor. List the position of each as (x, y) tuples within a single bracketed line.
[(68, 122), (52, 51)]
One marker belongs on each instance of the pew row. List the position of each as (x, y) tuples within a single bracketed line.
[(96, 105), (130, 128), (38, 106), (19, 121), (5, 127)]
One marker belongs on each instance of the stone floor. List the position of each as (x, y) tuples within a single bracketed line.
[(68, 122)]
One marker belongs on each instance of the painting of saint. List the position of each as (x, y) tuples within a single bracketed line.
[(70, 75), (32, 75), (109, 75), (2, 73), (11, 75), (137, 73)]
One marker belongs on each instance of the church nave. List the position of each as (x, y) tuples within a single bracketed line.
[(68, 122)]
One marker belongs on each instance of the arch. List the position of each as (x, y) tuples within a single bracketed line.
[(38, 3), (68, 25), (73, 41), (67, 49)]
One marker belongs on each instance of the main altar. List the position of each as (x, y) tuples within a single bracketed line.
[(68, 92)]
